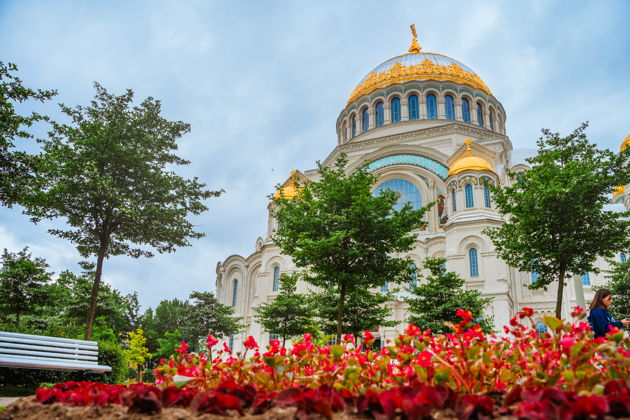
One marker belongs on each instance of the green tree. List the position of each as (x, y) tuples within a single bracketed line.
[(14, 165), (110, 176), (206, 315), (619, 284), (168, 344), (289, 314), (168, 316), (22, 284), (364, 310), (344, 237), (556, 223), (436, 301), (137, 354)]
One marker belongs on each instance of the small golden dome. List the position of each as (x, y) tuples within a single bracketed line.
[(469, 162), (625, 144), (288, 190), (619, 190)]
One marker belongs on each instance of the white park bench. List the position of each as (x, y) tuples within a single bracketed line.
[(53, 353)]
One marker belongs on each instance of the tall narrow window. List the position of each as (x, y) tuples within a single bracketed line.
[(412, 104), (231, 345), (586, 279), (385, 287), (492, 119), (395, 109), (453, 200), (486, 195), (273, 337), (535, 277), (431, 106), (276, 278), (622, 257), (470, 202), (449, 104), (354, 126), (465, 110), (380, 114), (366, 120), (234, 293), (413, 281), (472, 261), (480, 114)]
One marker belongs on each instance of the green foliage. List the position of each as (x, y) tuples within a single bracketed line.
[(168, 344), (557, 223), (110, 176), (206, 315), (14, 165), (289, 314), (436, 301), (110, 354), (343, 236), (619, 284), (22, 281), (364, 310), (137, 354)]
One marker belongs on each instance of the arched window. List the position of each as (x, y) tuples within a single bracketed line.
[(486, 195), (412, 104), (470, 202), (431, 106), (535, 277), (586, 279), (492, 119), (622, 257), (465, 110), (276, 278), (231, 345), (354, 126), (473, 263), (443, 266), (366, 120), (413, 281), (273, 337), (234, 293), (449, 105), (453, 200), (480, 114), (395, 109), (385, 287), (409, 193), (380, 114)]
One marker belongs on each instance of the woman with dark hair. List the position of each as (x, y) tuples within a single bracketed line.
[(600, 319)]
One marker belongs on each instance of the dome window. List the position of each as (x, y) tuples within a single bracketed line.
[(449, 104), (480, 114), (354, 126), (486, 195), (276, 278), (365, 120), (473, 263), (470, 202), (492, 119), (380, 114), (408, 192), (413, 107), (395, 109), (431, 106), (465, 110)]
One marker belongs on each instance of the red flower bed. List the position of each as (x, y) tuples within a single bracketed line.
[(563, 374)]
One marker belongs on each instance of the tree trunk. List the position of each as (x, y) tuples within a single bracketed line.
[(342, 298), (560, 292), (95, 286)]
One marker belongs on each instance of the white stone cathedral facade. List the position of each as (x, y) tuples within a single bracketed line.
[(428, 127)]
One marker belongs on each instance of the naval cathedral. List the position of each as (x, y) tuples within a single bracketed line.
[(429, 128)]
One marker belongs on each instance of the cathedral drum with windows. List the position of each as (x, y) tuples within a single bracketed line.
[(429, 128)]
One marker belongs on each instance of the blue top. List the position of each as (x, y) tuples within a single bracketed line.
[(600, 320)]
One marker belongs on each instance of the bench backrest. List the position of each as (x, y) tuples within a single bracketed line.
[(42, 352)]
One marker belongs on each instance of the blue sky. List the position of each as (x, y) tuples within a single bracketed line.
[(262, 84)]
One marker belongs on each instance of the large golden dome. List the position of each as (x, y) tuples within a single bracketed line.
[(469, 162), (417, 66), (625, 144)]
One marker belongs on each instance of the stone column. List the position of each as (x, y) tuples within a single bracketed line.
[(441, 109), (458, 110), (387, 117)]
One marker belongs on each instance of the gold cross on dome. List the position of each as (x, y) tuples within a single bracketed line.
[(415, 47)]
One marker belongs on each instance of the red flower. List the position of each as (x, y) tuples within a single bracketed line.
[(183, 348), (250, 343), (211, 341), (226, 348), (465, 314)]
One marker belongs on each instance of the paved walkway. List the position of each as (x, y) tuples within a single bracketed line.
[(7, 400)]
